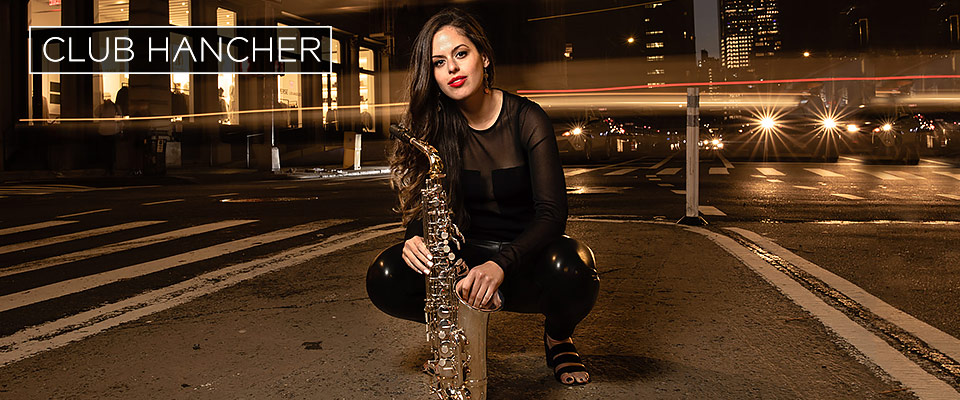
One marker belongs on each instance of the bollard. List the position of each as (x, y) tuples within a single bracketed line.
[(692, 214)]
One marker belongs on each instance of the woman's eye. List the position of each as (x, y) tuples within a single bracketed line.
[(461, 54), (438, 63)]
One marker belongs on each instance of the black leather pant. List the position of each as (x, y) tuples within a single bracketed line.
[(560, 282)]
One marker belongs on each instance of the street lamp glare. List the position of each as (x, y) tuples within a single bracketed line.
[(806, 54), (767, 123), (630, 40), (829, 123)]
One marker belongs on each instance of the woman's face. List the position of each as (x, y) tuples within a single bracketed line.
[(457, 64)]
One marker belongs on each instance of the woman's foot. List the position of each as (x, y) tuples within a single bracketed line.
[(567, 366)]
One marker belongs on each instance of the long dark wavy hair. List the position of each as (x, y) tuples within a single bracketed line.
[(435, 118)]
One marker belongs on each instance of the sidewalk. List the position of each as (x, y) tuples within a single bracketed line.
[(677, 317)]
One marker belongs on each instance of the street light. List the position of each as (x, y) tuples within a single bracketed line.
[(806, 54), (630, 40)]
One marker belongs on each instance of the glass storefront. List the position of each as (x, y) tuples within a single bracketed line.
[(42, 13), (227, 83)]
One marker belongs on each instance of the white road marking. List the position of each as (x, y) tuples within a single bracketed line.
[(804, 187), (655, 179), (711, 210), (952, 175), (852, 159), (907, 175), (285, 187), (669, 171), (54, 334), (880, 353), (121, 246), (718, 171), (31, 227), (882, 175), (622, 171), (76, 285), (85, 213), (943, 342), (774, 180), (936, 162), (650, 176), (679, 191), (770, 172), (664, 161), (758, 176), (224, 194), (726, 164), (575, 171), (824, 173), (949, 196), (162, 202), (74, 236), (847, 196), (665, 184)]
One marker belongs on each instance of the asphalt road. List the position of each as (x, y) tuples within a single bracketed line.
[(73, 247)]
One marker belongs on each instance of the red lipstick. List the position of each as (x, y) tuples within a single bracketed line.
[(457, 81)]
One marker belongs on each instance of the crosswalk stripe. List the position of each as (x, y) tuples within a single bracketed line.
[(851, 159), (654, 179), (31, 227), (575, 171), (949, 196), (774, 180), (664, 161), (824, 173), (669, 171), (72, 328), (952, 175), (19, 192), (935, 162), (85, 213), (121, 246), (679, 191), (224, 194), (74, 236), (805, 187), (907, 175), (76, 285), (622, 171), (719, 171), (847, 196), (726, 164), (882, 175), (665, 184), (711, 210), (162, 202), (770, 172)]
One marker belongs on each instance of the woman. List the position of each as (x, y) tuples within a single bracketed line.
[(506, 186)]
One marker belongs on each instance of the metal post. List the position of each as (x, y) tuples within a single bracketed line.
[(692, 215)]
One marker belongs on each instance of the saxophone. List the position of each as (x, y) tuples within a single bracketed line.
[(456, 331)]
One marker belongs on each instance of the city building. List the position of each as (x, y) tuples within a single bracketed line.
[(749, 33)]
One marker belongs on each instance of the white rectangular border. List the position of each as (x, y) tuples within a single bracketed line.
[(30, 71)]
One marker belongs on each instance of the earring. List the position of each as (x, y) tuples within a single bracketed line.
[(486, 82)]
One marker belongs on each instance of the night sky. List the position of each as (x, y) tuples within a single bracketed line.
[(707, 21)]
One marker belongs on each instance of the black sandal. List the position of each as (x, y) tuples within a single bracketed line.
[(555, 358)]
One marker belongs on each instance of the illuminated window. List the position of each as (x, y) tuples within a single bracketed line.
[(227, 83), (656, 72), (650, 33), (179, 12), (654, 58), (289, 93), (111, 11), (654, 45)]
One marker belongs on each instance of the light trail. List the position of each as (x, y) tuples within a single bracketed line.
[(734, 83)]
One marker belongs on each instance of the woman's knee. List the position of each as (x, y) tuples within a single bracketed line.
[(394, 287), (568, 260)]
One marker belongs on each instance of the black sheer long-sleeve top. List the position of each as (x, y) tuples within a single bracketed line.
[(512, 183)]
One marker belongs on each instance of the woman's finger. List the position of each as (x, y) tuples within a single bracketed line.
[(464, 287), (478, 284), (412, 260), (424, 252), (487, 295)]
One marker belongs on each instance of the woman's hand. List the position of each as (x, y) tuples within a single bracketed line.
[(416, 255), (480, 285)]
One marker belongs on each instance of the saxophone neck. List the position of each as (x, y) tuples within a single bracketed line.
[(433, 156)]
